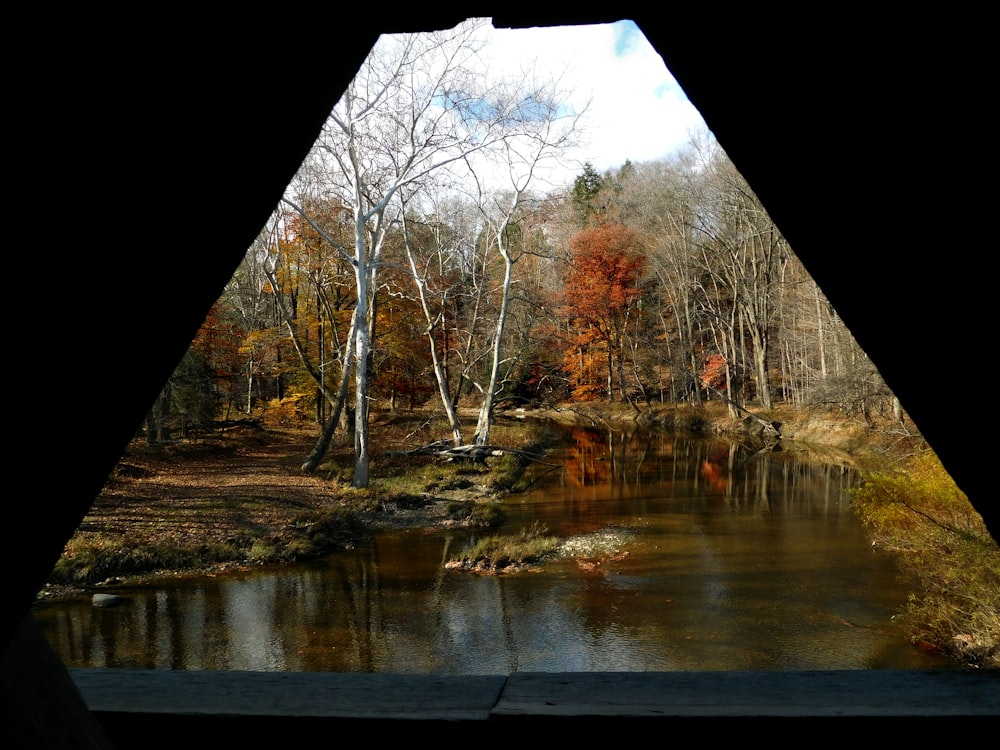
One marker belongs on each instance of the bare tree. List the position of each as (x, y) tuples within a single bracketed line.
[(435, 280), (546, 129), (418, 104), (743, 252)]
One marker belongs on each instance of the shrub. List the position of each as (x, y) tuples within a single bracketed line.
[(506, 471), (302, 549), (262, 551), (486, 514)]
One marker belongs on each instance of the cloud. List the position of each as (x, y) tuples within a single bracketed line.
[(636, 108)]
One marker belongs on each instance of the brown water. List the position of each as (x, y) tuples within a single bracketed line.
[(724, 557)]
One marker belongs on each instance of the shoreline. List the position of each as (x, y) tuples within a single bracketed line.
[(155, 489)]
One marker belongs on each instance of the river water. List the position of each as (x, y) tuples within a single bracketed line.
[(723, 557)]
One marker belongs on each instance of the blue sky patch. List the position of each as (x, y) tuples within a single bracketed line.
[(627, 37)]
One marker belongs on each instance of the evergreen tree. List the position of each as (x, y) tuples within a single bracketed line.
[(586, 188)]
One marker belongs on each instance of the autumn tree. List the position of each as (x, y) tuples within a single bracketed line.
[(651, 199), (203, 382), (311, 291), (400, 363), (419, 106), (250, 298), (401, 117), (506, 233), (601, 296), (546, 128), (310, 281), (727, 309)]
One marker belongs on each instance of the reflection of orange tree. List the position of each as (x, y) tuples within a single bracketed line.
[(586, 461), (713, 470)]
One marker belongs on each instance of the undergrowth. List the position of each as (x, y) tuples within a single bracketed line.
[(919, 514)]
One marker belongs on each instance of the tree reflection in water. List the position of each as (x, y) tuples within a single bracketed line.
[(741, 557)]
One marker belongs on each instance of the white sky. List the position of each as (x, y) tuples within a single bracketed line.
[(637, 110)]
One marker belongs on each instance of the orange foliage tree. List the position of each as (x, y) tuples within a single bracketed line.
[(713, 374), (600, 297)]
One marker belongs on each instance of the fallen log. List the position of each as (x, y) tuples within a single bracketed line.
[(445, 449), (477, 453), (431, 449)]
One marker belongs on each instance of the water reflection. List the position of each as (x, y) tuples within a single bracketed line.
[(742, 558)]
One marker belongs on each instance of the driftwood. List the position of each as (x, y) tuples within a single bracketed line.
[(445, 449)]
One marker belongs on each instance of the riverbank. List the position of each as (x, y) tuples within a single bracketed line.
[(236, 497), (919, 515)]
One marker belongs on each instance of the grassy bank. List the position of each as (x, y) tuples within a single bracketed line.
[(92, 558), (918, 513)]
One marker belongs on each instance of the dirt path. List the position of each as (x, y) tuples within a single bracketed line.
[(240, 480)]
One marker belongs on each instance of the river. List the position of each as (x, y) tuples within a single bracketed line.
[(723, 556)]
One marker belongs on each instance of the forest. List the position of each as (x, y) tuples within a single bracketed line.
[(419, 258)]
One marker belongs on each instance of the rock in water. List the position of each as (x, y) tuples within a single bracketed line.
[(107, 600)]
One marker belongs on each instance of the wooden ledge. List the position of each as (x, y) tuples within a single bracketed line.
[(732, 695), (148, 696)]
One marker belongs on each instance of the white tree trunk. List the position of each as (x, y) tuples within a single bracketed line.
[(432, 320), (485, 422)]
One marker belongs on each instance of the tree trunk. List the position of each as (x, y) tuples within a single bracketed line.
[(759, 340), (611, 379), (361, 354), (486, 409), (326, 437)]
